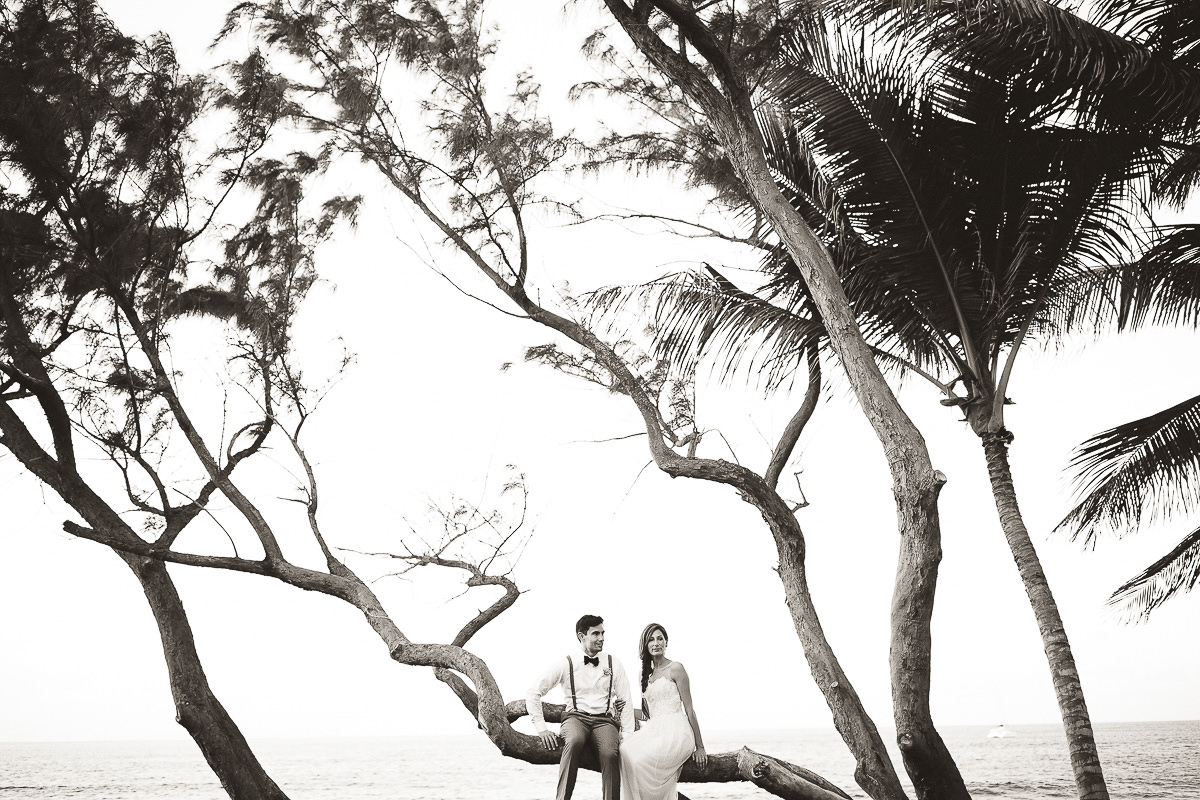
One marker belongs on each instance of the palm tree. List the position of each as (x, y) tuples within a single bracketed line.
[(971, 208), (965, 187), (1136, 73)]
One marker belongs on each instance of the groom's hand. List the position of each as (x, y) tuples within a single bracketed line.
[(549, 740)]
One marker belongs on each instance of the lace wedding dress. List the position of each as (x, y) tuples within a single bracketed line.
[(652, 756)]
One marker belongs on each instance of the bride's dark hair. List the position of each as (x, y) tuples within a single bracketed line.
[(644, 651)]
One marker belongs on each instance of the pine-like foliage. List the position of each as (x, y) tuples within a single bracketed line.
[(109, 232)]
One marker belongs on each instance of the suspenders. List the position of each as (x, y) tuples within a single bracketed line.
[(571, 672)]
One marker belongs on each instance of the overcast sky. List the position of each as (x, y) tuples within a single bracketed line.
[(426, 412)]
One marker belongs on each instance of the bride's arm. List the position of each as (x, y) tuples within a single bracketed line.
[(680, 676)]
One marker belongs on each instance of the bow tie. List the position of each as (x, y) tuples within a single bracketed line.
[(593, 660)]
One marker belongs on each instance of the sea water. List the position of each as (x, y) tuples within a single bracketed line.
[(1143, 760)]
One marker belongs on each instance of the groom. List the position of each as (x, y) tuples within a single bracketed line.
[(598, 708)]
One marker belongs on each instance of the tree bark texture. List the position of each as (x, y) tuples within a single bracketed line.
[(915, 483), (780, 778), (196, 707), (873, 769), (1085, 759)]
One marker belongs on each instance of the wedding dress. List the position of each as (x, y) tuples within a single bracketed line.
[(652, 756)]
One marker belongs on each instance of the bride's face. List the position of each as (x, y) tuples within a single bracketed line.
[(656, 645)]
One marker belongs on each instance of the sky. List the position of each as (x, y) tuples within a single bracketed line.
[(426, 413)]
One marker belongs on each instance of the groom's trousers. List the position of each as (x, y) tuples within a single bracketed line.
[(578, 732)]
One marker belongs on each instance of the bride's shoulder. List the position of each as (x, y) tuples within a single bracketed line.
[(675, 668)]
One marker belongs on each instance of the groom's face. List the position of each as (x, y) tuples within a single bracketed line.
[(593, 640)]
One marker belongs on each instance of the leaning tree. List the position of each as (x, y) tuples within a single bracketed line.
[(95, 219), (702, 50)]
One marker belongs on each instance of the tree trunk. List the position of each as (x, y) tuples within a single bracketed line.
[(783, 779), (873, 769), (915, 484), (873, 766), (729, 109), (1085, 760), (196, 708)]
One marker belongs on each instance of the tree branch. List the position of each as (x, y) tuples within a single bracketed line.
[(795, 426)]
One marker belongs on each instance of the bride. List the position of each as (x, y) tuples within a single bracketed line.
[(653, 755)]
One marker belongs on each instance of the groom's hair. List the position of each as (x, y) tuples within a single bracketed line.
[(586, 623)]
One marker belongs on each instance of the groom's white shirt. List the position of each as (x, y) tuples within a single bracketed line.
[(591, 689)]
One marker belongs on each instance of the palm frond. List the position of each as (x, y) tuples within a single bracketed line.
[(1177, 571), (1085, 299), (1174, 186), (696, 316), (953, 200), (1169, 27), (858, 121), (1137, 472), (1070, 62), (1164, 286)]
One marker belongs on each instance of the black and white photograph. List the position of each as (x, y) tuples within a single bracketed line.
[(599, 399)]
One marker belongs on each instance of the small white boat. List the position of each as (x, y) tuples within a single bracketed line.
[(998, 732)]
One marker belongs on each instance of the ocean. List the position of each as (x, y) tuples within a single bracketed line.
[(1142, 761)]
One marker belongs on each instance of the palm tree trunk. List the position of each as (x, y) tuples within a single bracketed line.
[(1085, 760), (196, 707)]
